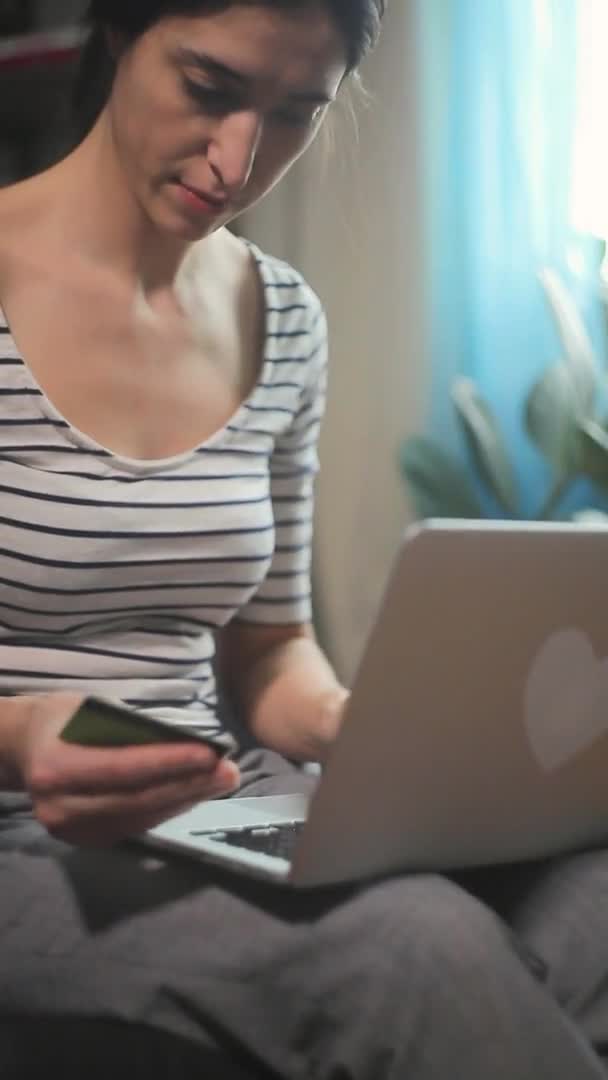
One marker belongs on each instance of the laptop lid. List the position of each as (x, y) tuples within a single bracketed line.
[(476, 730)]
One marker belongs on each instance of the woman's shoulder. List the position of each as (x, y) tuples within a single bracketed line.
[(6, 233), (284, 286), (13, 207), (288, 287), (19, 210)]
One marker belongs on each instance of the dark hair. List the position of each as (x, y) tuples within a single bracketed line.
[(358, 20)]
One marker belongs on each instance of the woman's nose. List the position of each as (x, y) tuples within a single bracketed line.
[(233, 150)]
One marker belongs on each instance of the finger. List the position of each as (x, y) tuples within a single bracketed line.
[(114, 814), (106, 833), (83, 770)]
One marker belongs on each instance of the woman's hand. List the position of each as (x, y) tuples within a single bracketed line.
[(98, 796)]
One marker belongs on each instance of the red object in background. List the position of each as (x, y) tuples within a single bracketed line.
[(52, 46)]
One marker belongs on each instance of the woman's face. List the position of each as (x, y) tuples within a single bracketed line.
[(208, 112)]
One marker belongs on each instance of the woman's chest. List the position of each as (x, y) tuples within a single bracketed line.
[(81, 550), (142, 382)]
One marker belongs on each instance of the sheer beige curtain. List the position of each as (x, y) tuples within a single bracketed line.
[(350, 218)]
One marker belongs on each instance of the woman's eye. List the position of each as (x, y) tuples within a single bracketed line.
[(210, 98), (217, 101)]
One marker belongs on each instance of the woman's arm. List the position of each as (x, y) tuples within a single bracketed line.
[(284, 687)]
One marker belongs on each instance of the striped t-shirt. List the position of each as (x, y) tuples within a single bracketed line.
[(116, 574)]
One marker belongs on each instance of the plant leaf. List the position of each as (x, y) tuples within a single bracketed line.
[(553, 419), (579, 356), (550, 507), (438, 486), (590, 517), (485, 443), (594, 452)]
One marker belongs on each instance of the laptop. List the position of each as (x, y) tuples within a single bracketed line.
[(477, 728)]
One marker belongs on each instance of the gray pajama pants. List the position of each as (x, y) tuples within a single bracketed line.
[(114, 965)]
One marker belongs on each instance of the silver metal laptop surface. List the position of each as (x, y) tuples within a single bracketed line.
[(477, 726), (204, 830)]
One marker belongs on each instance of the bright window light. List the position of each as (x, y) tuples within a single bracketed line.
[(589, 205)]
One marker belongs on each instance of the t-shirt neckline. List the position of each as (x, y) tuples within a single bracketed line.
[(155, 465)]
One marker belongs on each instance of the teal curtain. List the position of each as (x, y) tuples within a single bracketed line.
[(498, 89)]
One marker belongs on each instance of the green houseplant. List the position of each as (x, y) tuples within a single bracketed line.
[(564, 414)]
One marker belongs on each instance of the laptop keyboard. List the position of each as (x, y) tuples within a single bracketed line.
[(278, 840)]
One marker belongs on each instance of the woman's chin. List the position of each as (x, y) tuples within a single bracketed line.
[(175, 225)]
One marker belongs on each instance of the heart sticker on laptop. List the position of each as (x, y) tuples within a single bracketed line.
[(566, 699)]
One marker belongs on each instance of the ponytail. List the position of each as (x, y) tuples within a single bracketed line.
[(93, 82)]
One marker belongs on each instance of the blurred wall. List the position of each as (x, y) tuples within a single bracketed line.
[(34, 97), (50, 13), (352, 222)]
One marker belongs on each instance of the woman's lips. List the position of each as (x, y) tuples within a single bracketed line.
[(199, 201)]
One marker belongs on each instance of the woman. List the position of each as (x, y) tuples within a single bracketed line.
[(162, 388), (180, 325)]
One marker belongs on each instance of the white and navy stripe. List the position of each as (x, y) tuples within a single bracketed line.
[(115, 574)]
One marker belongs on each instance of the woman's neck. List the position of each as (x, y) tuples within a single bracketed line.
[(93, 213)]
